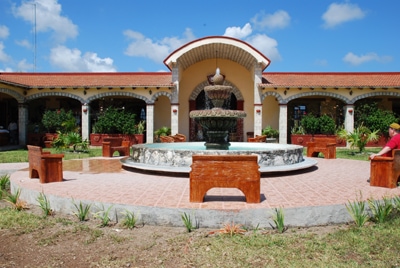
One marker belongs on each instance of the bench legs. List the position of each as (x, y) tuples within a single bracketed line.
[(199, 189), (108, 150), (50, 170)]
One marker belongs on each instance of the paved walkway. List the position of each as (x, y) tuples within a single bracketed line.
[(314, 196)]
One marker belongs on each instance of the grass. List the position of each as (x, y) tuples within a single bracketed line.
[(374, 245), (21, 155), (187, 221), (82, 211), (357, 211)]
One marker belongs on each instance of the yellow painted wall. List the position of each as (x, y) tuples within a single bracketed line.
[(162, 112), (270, 112), (197, 74)]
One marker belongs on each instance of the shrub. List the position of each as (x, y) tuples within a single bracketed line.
[(270, 132), (115, 121), (327, 124), (371, 116), (53, 120), (359, 137), (310, 124), (318, 125)]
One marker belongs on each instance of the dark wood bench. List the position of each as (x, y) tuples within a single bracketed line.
[(326, 146), (258, 138), (112, 145), (385, 171), (44, 165), (225, 171)]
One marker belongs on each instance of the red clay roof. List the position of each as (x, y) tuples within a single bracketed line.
[(32, 80), (164, 79), (389, 79)]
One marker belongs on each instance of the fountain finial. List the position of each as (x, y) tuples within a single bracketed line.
[(218, 78)]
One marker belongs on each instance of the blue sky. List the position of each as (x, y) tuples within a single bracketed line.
[(136, 36)]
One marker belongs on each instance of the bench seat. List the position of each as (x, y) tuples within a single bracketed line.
[(225, 171), (44, 165), (326, 146), (114, 144), (385, 171)]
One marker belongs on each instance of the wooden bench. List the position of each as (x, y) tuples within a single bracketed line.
[(44, 165), (225, 171), (112, 145), (258, 138), (385, 171), (326, 146), (179, 137), (166, 139)]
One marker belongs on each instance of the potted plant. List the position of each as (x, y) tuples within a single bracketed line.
[(163, 131), (272, 134), (310, 126), (139, 135), (114, 122), (55, 121)]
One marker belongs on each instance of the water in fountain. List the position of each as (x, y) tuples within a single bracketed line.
[(216, 121)]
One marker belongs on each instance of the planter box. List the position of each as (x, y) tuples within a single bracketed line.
[(379, 143), (97, 139), (302, 139)]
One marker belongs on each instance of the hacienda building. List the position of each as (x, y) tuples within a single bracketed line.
[(166, 98)]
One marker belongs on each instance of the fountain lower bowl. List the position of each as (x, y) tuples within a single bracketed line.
[(177, 157)]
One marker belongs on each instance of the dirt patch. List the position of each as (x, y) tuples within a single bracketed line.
[(66, 242)]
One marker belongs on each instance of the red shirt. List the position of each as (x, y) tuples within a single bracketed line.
[(393, 143)]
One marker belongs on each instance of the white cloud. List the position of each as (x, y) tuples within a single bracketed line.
[(237, 32), (279, 20), (353, 59), (72, 60), (341, 13), (24, 43), (3, 56), (4, 32), (48, 18), (24, 66), (6, 70), (266, 45), (157, 51), (321, 62)]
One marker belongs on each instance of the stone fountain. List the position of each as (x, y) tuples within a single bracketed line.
[(177, 157), (217, 122)]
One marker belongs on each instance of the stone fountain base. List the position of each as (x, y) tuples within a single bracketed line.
[(177, 157)]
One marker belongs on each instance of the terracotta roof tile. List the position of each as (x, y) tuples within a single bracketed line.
[(391, 79), (164, 79), (32, 80)]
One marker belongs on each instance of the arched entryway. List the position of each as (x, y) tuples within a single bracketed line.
[(199, 101)]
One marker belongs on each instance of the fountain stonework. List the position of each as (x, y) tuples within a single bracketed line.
[(216, 122)]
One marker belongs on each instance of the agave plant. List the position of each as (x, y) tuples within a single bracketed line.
[(359, 137)]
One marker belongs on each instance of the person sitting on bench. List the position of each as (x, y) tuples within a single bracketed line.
[(393, 143)]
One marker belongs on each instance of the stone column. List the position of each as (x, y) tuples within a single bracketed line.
[(283, 124), (149, 123), (174, 118), (85, 122), (257, 119), (257, 100), (349, 119), (22, 123)]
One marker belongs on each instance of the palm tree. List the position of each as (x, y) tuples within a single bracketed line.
[(360, 137)]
